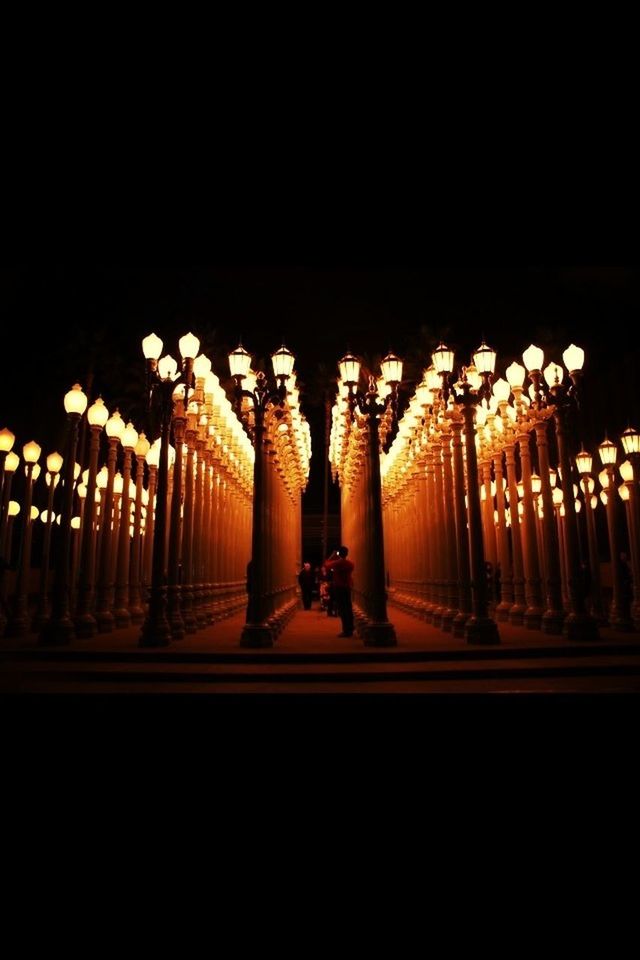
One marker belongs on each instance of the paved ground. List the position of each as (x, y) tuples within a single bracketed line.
[(309, 658)]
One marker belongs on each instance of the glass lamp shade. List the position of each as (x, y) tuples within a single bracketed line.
[(603, 497), (167, 367), (211, 382), (485, 358), (631, 441), (474, 377), (82, 490), (14, 508), (553, 476), (626, 471), (515, 374), (533, 357), (189, 346), (142, 445), (583, 462), (391, 368), (102, 478), (7, 440), (45, 516), (239, 362), (557, 495), (35, 513), (152, 347), (118, 483), (201, 366), (114, 425), (608, 451), (623, 491), (75, 523), (54, 462), (349, 369), (553, 374), (536, 483), (590, 484), (153, 455), (75, 401), (423, 394), (573, 358), (129, 437), (442, 359), (11, 463), (31, 452), (432, 378), (250, 381), (603, 477), (282, 361), (501, 390), (97, 414)]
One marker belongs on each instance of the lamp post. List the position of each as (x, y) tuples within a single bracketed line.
[(59, 628), (578, 624), (7, 440), (379, 631), (135, 600), (257, 632), (86, 625), (18, 624), (631, 445), (619, 610), (161, 382), (584, 462), (52, 477), (469, 390)]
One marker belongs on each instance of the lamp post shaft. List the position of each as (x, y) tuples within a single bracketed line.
[(256, 633), (155, 630)]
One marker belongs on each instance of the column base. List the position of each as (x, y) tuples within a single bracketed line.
[(580, 627), (533, 618), (502, 611), (459, 624), (516, 614), (86, 626), (481, 630), (256, 635), (155, 634), (380, 635), (552, 622)]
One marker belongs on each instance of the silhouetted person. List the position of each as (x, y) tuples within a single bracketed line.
[(306, 580), (342, 570)]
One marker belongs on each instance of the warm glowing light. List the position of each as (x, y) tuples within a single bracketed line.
[(474, 378), (11, 463), (167, 367), (442, 359), (14, 508), (114, 425), (623, 491), (515, 374), (35, 513), (142, 446), (553, 374), (349, 369), (533, 358), (485, 358), (75, 523), (97, 414), (501, 390), (574, 358), (54, 462), (391, 368), (189, 346), (152, 347), (536, 483), (631, 441), (583, 462), (603, 477), (239, 362), (75, 401), (626, 471), (31, 452), (608, 451), (282, 361), (129, 437), (558, 495), (201, 366), (7, 440)]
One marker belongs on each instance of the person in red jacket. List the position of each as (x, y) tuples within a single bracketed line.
[(342, 570)]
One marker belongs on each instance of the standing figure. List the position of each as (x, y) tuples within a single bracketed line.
[(342, 570), (305, 579)]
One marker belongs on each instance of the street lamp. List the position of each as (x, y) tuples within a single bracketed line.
[(584, 462), (372, 407), (474, 385), (265, 401), (59, 628), (18, 624), (52, 477), (619, 609), (86, 624), (161, 383)]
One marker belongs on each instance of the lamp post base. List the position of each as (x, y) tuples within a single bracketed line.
[(57, 632), (481, 630), (380, 635), (256, 635), (552, 622)]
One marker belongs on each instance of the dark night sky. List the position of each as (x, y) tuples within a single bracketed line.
[(93, 317)]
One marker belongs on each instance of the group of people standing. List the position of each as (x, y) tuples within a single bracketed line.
[(335, 581)]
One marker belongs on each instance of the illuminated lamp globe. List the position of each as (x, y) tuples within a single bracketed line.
[(623, 492), (349, 369), (515, 374), (533, 358), (31, 452), (114, 425), (557, 495), (75, 523), (189, 346), (608, 451), (485, 359), (391, 368), (239, 362), (102, 478), (97, 414), (7, 440), (631, 441), (14, 508), (501, 390), (142, 445), (573, 358), (282, 361), (54, 462), (129, 437), (75, 401), (474, 378), (11, 463), (168, 367), (583, 462), (201, 366), (553, 374), (626, 471), (152, 347), (442, 359), (536, 483)]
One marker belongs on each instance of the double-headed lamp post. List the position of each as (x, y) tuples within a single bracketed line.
[(162, 381), (59, 628), (379, 631), (473, 386), (264, 399)]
